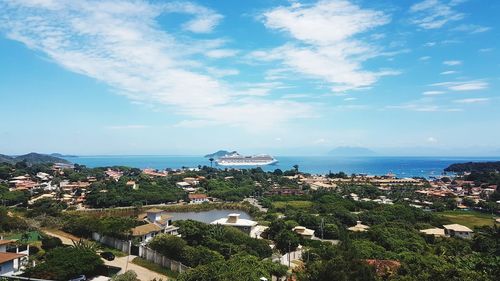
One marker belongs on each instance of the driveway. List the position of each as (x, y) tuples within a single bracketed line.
[(143, 273)]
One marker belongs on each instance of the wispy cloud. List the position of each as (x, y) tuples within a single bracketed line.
[(473, 85), (122, 44), (433, 14), (472, 100), (449, 72), (433, 93), (452, 62), (472, 28), (424, 58), (316, 46)]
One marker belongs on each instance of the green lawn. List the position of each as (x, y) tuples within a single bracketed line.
[(467, 218), (293, 204), (33, 236), (155, 267)]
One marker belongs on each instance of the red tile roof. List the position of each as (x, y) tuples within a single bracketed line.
[(5, 257)]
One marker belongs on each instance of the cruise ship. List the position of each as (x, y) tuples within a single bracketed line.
[(235, 159)]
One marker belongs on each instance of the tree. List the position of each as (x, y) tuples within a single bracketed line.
[(241, 268), (296, 167), (168, 245), (211, 161), (130, 275), (287, 241), (49, 243), (66, 263)]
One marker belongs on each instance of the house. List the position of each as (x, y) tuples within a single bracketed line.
[(157, 222), (234, 220), (306, 233), (359, 227), (197, 198), (8, 263), (12, 256), (458, 230), (436, 232), (182, 184)]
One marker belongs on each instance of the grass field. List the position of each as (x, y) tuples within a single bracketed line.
[(155, 267), (467, 218), (293, 204)]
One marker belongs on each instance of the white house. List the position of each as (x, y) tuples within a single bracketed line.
[(458, 230), (234, 220), (8, 263), (157, 222), (306, 233), (197, 198), (12, 256)]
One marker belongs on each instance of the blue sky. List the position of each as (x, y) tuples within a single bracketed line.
[(286, 77)]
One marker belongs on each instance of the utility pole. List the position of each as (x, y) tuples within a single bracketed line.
[(321, 226), (289, 253)]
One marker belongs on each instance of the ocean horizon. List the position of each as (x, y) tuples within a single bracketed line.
[(401, 166)]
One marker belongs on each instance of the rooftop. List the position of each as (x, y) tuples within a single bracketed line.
[(5, 257), (457, 227)]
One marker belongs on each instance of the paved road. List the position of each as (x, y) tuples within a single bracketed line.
[(143, 273), (255, 203), (66, 238)]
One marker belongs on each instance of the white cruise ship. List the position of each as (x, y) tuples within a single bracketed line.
[(235, 159)]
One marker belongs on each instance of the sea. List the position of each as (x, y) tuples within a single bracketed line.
[(374, 165)]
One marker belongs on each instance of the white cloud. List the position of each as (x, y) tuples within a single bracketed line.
[(472, 100), (295, 96), (473, 85), (121, 44), (324, 36), (431, 139), (472, 28), (350, 99), (424, 58), (433, 93), (433, 14), (452, 62), (485, 50), (430, 44), (221, 53), (448, 72), (204, 21)]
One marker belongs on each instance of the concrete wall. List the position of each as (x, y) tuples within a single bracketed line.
[(7, 268)]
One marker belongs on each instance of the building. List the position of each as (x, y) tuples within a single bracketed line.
[(458, 230), (306, 233), (234, 220), (197, 198), (436, 232), (12, 256), (8, 263), (157, 222), (359, 227)]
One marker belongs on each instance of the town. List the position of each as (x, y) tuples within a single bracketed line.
[(286, 224)]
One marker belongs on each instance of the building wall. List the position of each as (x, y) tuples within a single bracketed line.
[(7, 268)]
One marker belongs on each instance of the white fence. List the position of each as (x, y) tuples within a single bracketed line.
[(121, 245), (155, 257), (144, 252)]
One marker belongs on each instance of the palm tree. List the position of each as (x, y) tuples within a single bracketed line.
[(211, 161), (296, 167)]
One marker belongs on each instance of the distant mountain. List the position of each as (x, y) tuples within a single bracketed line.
[(33, 158), (6, 159), (59, 155), (351, 151), (219, 153), (474, 167)]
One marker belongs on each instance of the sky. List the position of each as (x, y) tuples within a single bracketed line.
[(138, 77)]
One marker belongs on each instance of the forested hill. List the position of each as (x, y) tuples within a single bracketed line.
[(32, 158), (474, 167)]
